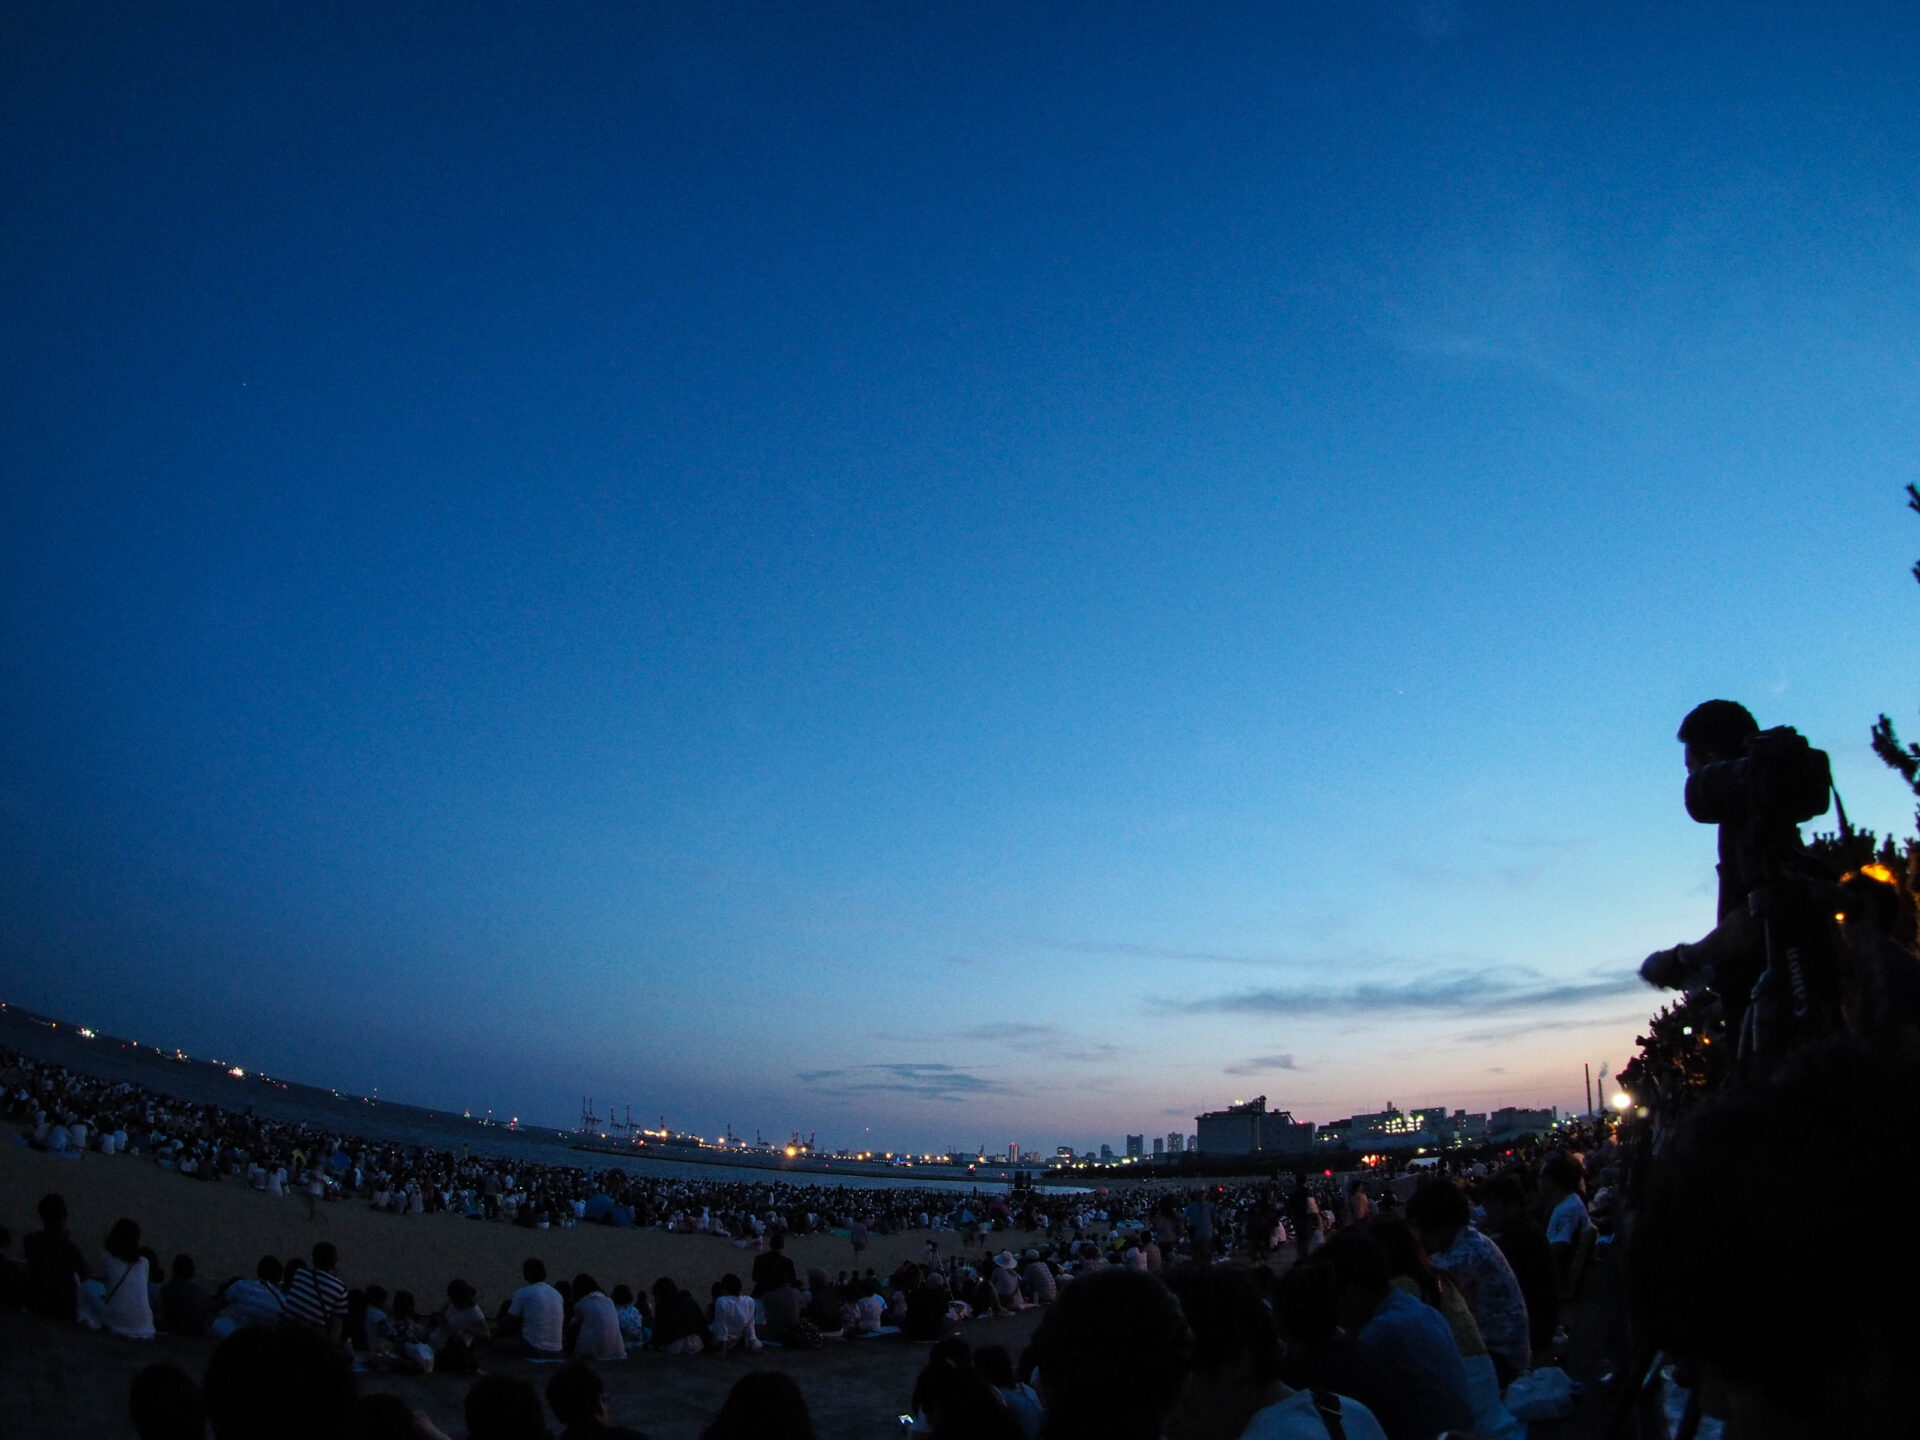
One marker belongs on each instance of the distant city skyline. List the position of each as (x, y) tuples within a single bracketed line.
[(931, 569), (618, 1118)]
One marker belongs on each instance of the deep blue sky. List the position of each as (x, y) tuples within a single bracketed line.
[(981, 572)]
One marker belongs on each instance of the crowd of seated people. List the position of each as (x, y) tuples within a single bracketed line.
[(1418, 1320), (1393, 1329), (67, 1112), (1390, 1318)]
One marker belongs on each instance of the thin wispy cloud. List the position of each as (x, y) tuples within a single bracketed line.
[(1261, 1065), (1507, 291), (1047, 1042), (1439, 993), (921, 1081), (1271, 959), (1505, 1033)]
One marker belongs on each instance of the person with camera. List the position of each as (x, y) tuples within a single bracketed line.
[(1725, 960), (1768, 959)]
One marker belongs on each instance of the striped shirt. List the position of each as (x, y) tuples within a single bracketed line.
[(315, 1297)]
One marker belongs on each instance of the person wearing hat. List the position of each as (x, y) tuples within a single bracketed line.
[(1006, 1283)]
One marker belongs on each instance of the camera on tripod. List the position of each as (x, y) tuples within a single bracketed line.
[(1780, 781)]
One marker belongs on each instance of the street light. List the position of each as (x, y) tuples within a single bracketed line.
[(1623, 1102)]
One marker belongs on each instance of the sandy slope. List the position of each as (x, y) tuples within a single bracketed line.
[(65, 1383)]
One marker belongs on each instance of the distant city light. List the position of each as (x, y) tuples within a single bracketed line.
[(237, 1073)]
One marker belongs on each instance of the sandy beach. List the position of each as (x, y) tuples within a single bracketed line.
[(59, 1382)]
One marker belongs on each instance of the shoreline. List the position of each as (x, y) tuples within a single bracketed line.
[(774, 1163)]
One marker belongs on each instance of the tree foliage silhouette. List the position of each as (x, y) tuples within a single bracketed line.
[(1886, 744)]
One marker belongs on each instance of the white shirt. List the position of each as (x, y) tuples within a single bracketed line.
[(126, 1310), (543, 1316), (599, 1337), (1297, 1418), (1568, 1222), (733, 1322)]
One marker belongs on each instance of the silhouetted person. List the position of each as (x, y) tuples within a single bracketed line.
[(165, 1404), (1523, 1241), (764, 1405), (579, 1400), (1730, 957), (54, 1264), (499, 1407), (1111, 1356), (1417, 1377), (286, 1384), (1815, 1342), (774, 1268), (1236, 1387)]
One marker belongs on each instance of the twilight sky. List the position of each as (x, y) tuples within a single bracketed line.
[(940, 573)]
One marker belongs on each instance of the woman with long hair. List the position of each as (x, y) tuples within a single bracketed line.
[(125, 1308)]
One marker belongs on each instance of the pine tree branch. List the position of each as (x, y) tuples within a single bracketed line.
[(1905, 759)]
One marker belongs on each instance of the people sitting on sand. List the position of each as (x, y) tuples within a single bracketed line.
[(366, 1313), (400, 1345), (824, 1301), (1567, 1218), (534, 1316), (1006, 1284), (630, 1316), (462, 1333), (733, 1318), (595, 1323), (1410, 1271), (118, 1302), (256, 1302), (1037, 1280), (1419, 1381), (1236, 1386), (316, 1297), (1510, 1224), (185, 1305), (678, 1326), (784, 1307), (868, 1307), (1442, 1218), (54, 1265)]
